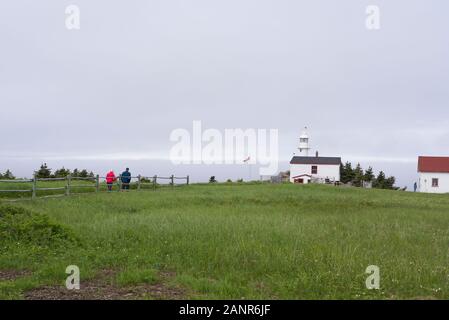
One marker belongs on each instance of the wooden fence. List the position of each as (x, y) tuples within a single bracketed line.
[(70, 185)]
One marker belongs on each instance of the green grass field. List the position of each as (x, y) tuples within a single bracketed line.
[(234, 241)]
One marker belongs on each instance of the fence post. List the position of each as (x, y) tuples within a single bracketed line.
[(138, 182), (33, 195), (154, 182), (172, 178), (187, 180), (67, 191), (97, 183)]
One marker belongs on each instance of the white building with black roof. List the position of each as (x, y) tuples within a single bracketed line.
[(307, 169)]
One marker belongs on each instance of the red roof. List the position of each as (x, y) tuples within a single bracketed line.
[(433, 164)]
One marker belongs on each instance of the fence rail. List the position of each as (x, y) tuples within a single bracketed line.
[(51, 179), (139, 181), (18, 180), (16, 190)]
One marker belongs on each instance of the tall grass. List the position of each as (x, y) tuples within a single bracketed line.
[(251, 241)]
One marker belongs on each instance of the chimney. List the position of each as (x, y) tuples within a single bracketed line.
[(316, 154)]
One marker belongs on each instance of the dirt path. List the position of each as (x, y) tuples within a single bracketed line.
[(102, 288), (7, 275)]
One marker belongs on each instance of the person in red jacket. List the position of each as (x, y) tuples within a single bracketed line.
[(110, 178)]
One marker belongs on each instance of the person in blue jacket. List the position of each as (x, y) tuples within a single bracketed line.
[(126, 179)]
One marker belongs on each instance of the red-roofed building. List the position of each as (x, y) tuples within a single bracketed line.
[(433, 174)]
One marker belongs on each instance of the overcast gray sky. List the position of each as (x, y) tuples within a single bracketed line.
[(380, 97)]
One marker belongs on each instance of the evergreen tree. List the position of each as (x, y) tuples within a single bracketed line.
[(43, 172), (346, 173), (7, 175), (61, 173), (83, 174), (369, 175), (358, 176), (212, 179), (389, 183), (75, 173), (379, 182)]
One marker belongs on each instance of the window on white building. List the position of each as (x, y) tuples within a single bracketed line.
[(314, 169), (435, 182)]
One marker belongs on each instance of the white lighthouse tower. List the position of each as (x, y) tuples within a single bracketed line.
[(304, 143), (305, 168)]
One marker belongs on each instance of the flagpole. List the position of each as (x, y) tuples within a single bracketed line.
[(247, 161)]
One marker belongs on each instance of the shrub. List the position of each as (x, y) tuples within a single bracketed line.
[(212, 179), (7, 175), (43, 172), (20, 225)]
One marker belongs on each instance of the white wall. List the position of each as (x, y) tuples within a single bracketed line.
[(425, 182), (331, 172)]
